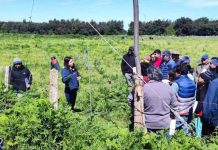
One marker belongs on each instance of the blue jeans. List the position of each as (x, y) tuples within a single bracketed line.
[(129, 79), (180, 125), (198, 127)]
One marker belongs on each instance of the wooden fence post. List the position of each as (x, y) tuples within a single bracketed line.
[(53, 96), (6, 70), (139, 116)]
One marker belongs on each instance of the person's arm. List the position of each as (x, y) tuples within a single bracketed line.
[(65, 76), (78, 76), (29, 76), (195, 74), (123, 66), (210, 100), (174, 102), (11, 78), (57, 66), (175, 87)]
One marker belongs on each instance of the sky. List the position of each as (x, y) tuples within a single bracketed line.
[(104, 10)]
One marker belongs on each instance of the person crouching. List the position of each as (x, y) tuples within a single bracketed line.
[(19, 76)]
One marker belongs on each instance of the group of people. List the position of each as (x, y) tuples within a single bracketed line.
[(172, 85), (20, 78)]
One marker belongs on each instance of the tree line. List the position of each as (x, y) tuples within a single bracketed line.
[(181, 27), (62, 26)]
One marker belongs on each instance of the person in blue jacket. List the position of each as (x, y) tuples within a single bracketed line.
[(71, 78), (184, 88), (210, 107), (167, 65)]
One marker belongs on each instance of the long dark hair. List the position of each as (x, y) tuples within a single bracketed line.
[(66, 62)]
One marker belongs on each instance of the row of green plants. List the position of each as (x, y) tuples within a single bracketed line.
[(31, 123)]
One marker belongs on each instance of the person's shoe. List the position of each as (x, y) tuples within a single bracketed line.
[(76, 110)]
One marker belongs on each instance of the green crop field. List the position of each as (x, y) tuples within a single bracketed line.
[(31, 123)]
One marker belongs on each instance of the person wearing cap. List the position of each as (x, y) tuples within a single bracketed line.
[(127, 69), (185, 61), (175, 56), (202, 67), (20, 76), (167, 64), (158, 58), (212, 71), (213, 68)]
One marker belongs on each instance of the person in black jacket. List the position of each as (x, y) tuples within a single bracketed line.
[(20, 76), (202, 86), (126, 69)]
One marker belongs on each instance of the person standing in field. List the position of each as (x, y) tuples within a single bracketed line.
[(175, 56), (19, 76), (158, 97), (54, 63), (213, 68), (127, 68), (202, 67), (158, 58), (210, 108), (185, 62), (167, 64), (184, 88), (202, 86), (71, 78)]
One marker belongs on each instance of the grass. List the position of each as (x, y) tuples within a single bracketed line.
[(103, 124)]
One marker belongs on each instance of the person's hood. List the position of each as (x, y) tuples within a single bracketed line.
[(18, 69)]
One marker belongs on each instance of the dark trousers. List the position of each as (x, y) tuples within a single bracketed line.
[(153, 130), (71, 96)]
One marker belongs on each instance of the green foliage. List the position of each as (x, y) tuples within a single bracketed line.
[(60, 27), (170, 30), (31, 123)]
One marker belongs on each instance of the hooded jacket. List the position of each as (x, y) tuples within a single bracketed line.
[(130, 59), (20, 77)]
